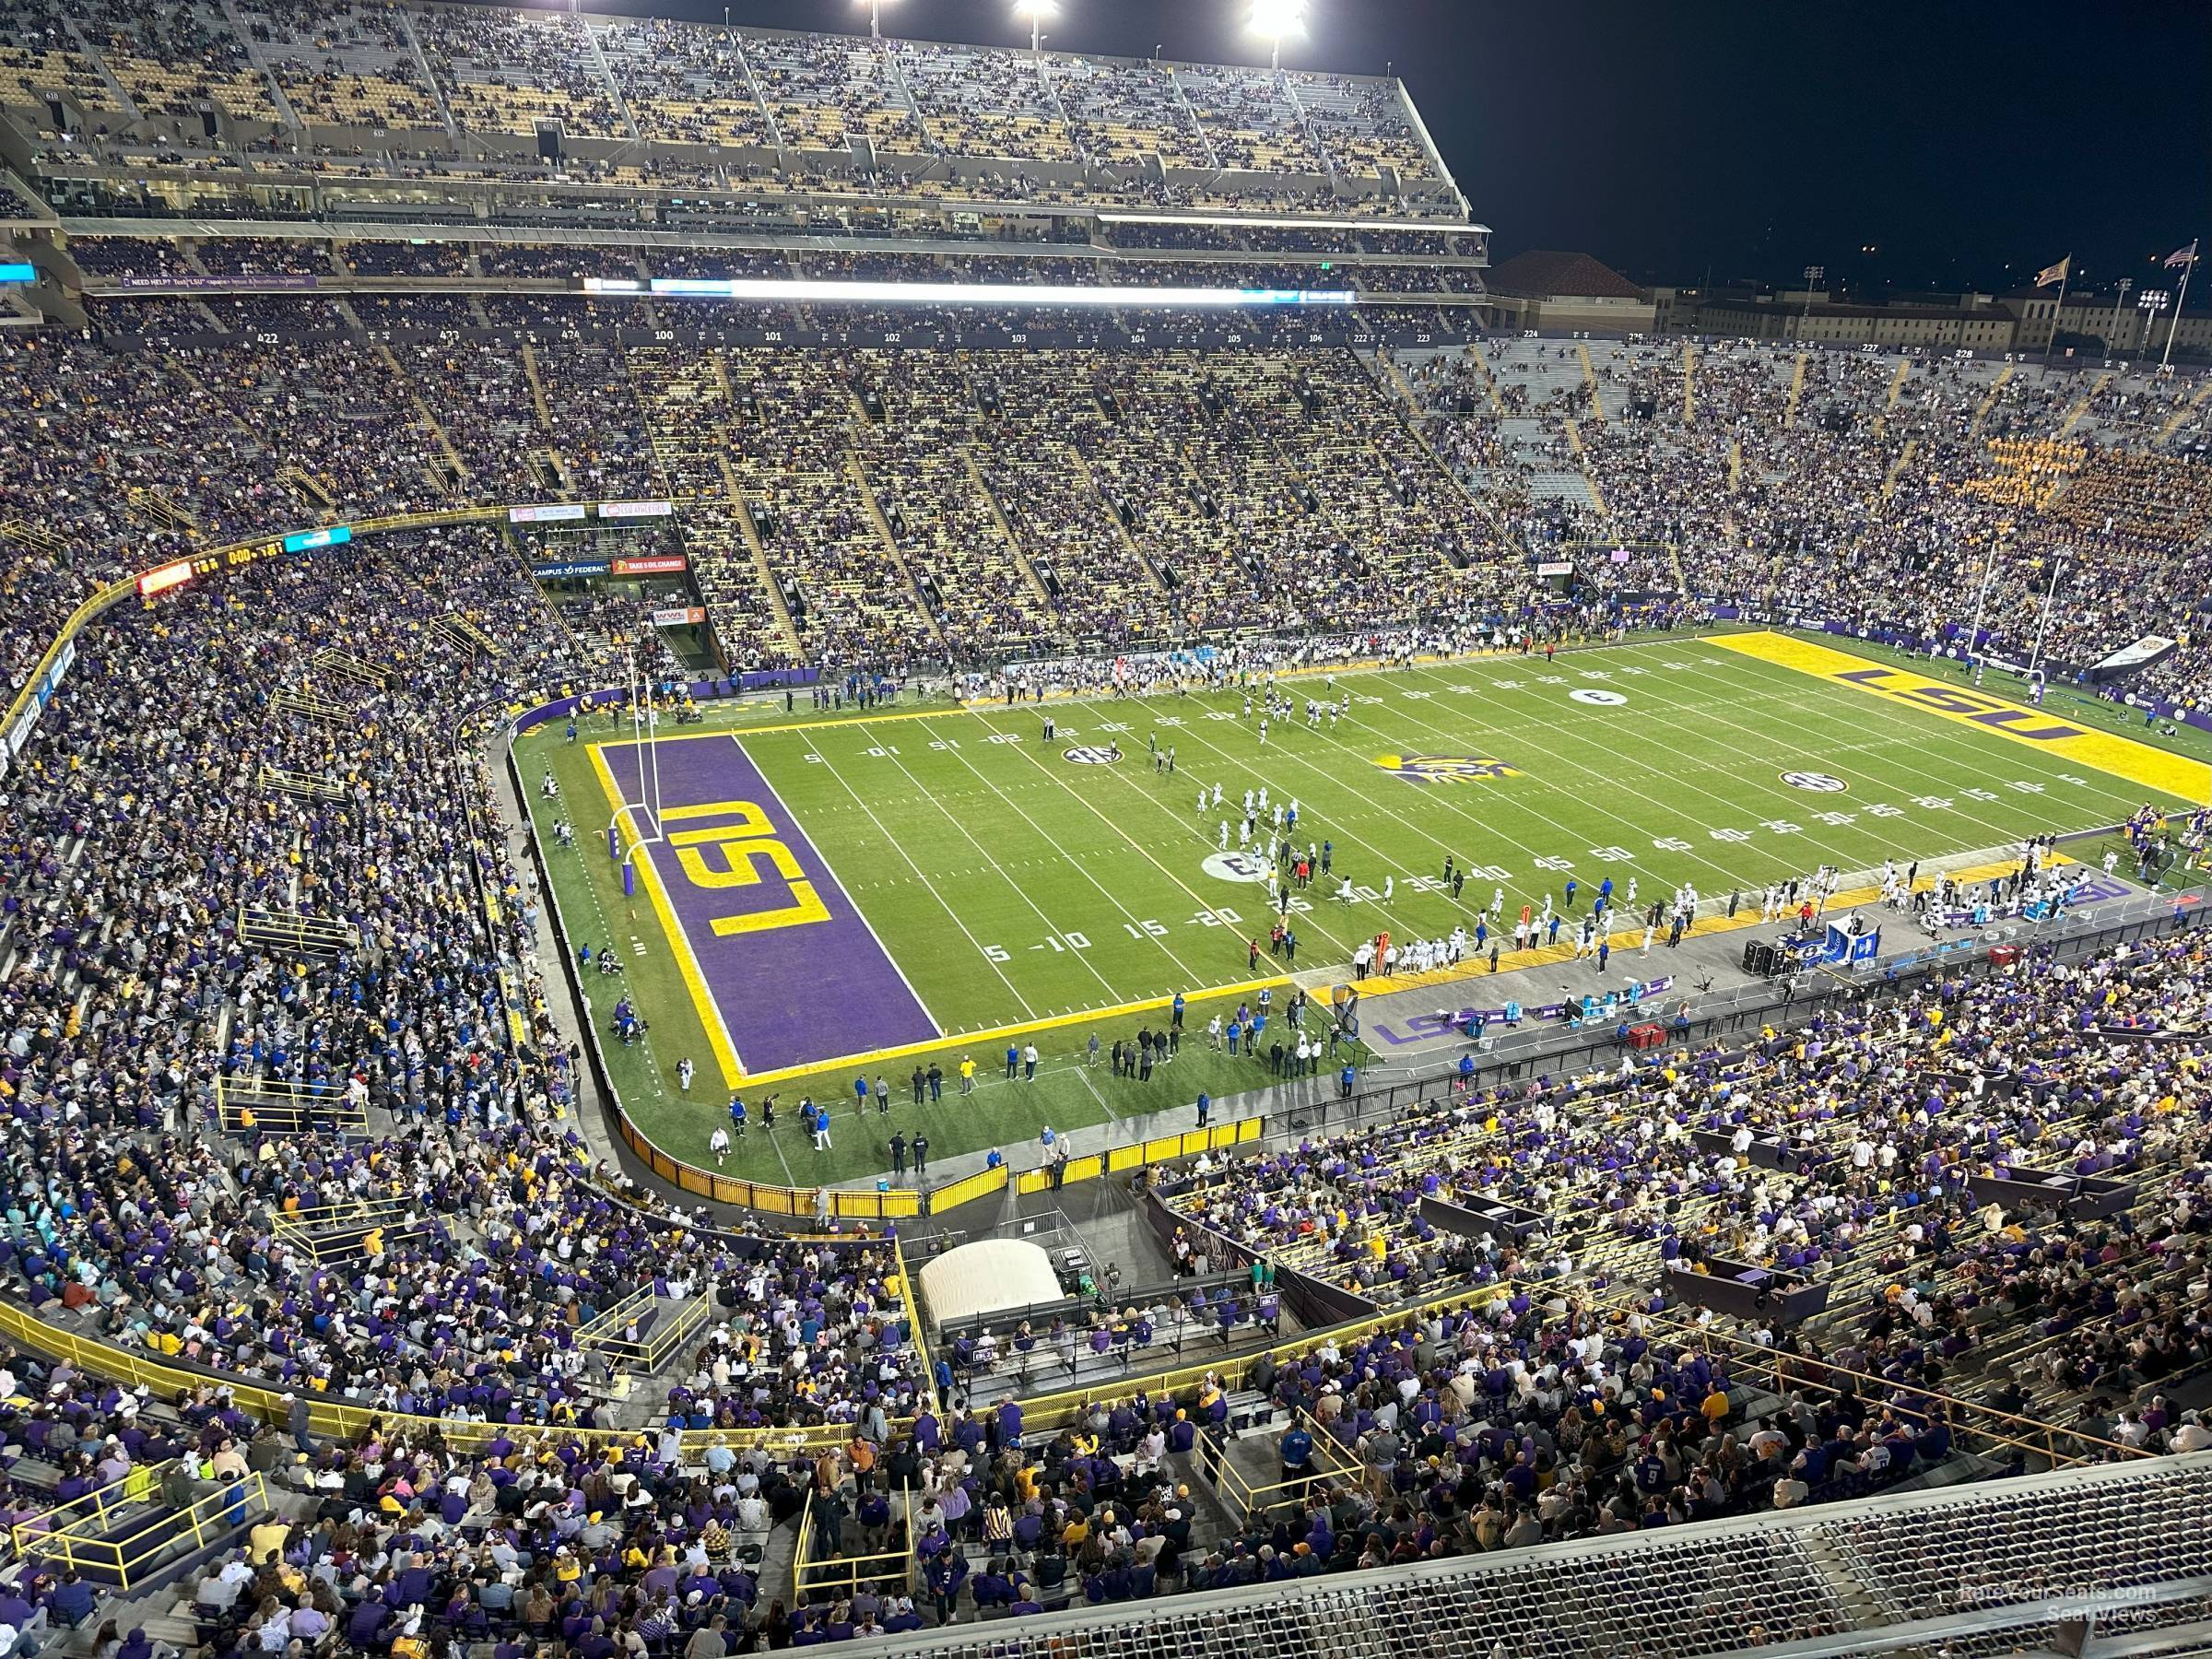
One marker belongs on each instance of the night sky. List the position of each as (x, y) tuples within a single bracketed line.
[(1677, 139)]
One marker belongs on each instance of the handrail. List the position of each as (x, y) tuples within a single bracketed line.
[(84, 1505), (344, 1212), (1963, 1416), (843, 1574), (1331, 1464), (206, 1519), (344, 1420), (648, 1352), (613, 1317)]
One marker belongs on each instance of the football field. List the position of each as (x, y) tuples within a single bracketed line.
[(820, 898)]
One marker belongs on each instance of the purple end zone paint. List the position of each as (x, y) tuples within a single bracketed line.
[(796, 972)]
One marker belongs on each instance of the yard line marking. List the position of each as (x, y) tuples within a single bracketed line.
[(830, 767), (1025, 1029), (1894, 765), (1144, 851), (1022, 892), (1112, 1116), (1731, 877), (1516, 802), (1675, 718), (1184, 827)]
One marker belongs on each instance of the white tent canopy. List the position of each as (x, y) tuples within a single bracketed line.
[(986, 1276)]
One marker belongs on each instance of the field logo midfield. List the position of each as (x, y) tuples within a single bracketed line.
[(1444, 769)]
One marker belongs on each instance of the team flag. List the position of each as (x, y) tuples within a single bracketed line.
[(2181, 257), (2051, 273)]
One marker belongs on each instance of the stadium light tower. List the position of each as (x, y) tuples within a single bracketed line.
[(1278, 20), (2151, 302), (1036, 11), (2111, 334), (1814, 276), (874, 16)]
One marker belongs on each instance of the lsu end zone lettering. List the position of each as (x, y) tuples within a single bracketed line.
[(2139, 763), (766, 940)]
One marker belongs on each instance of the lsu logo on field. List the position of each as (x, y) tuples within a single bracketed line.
[(1443, 769)]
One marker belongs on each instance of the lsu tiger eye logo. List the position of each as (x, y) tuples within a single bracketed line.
[(1443, 769)]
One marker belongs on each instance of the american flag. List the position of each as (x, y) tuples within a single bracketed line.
[(2181, 257)]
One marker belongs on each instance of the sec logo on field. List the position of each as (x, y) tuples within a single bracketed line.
[(1593, 694), (1090, 754), (1818, 782), (1443, 769), (1235, 867)]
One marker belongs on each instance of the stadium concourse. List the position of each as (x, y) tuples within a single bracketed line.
[(334, 1317)]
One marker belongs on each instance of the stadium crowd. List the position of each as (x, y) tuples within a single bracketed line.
[(311, 779)]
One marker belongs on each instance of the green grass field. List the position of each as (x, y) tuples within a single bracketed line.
[(1016, 887)]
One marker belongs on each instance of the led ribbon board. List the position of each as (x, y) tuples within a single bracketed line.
[(796, 290)]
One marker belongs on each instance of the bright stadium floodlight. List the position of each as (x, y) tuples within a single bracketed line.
[(1036, 11), (2151, 302), (1278, 20), (874, 16)]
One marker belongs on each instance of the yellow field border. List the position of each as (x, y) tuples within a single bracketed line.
[(2139, 763)]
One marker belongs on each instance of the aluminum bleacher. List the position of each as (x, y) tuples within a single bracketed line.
[(1981, 1568)]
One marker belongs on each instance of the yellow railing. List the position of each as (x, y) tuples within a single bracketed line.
[(845, 1204), (285, 780), (648, 1352), (968, 1189), (611, 1320), (137, 1487), (843, 1575), (312, 1230), (316, 708), (339, 1420), (912, 1309), (275, 1107), (1058, 1410), (1161, 1149), (1243, 1497), (339, 1212), (156, 1539), (303, 935)]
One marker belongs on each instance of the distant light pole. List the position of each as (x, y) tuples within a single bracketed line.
[(2113, 336), (1813, 274), (2151, 302), (1036, 11), (1278, 20), (874, 16)]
